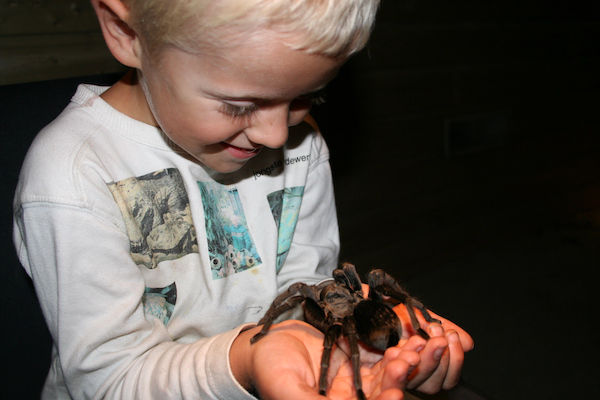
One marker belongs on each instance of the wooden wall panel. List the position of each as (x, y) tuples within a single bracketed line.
[(26, 17), (44, 39)]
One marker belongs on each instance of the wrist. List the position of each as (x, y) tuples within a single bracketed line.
[(240, 358)]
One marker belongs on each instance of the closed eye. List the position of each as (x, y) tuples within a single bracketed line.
[(247, 109), (238, 111)]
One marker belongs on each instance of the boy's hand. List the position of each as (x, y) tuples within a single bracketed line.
[(443, 355), (285, 364)]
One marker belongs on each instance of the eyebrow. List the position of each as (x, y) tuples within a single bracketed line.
[(257, 99)]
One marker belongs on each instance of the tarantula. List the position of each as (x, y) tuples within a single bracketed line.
[(338, 308)]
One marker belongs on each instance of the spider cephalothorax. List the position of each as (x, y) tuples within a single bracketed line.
[(338, 308)]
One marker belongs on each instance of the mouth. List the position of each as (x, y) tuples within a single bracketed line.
[(240, 152)]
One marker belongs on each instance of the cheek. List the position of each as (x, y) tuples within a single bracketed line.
[(174, 123), (198, 129), (188, 122)]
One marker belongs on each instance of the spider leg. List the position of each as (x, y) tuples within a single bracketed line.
[(331, 336), (314, 315), (382, 282), (352, 278), (410, 307), (352, 336), (282, 303)]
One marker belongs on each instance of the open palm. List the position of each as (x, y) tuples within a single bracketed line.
[(286, 365)]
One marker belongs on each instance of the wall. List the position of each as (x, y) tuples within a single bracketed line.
[(498, 231), (449, 130), (49, 39)]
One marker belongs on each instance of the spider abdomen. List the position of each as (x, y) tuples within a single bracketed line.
[(377, 324)]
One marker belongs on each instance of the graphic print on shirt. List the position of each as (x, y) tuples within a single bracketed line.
[(230, 246), (156, 211), (285, 207), (160, 302)]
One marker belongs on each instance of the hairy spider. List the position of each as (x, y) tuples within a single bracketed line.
[(338, 308)]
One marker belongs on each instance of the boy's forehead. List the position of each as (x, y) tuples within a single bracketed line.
[(262, 67)]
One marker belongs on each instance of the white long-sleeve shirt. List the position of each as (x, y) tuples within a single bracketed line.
[(147, 264)]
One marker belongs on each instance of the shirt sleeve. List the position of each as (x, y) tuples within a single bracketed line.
[(90, 292)]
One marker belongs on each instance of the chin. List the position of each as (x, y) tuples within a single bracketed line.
[(225, 168)]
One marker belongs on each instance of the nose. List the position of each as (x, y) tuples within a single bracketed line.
[(270, 126)]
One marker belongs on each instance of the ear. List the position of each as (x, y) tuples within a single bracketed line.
[(121, 39)]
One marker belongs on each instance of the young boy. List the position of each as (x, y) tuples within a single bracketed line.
[(158, 218)]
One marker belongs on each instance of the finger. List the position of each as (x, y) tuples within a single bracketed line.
[(396, 371), (391, 394), (434, 362), (408, 329), (414, 343), (435, 381), (409, 351), (456, 361), (466, 340), (387, 379)]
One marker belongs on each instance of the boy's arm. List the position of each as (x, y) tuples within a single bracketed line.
[(91, 293)]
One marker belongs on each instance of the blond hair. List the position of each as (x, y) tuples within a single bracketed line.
[(336, 28)]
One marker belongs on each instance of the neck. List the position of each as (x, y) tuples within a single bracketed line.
[(127, 96)]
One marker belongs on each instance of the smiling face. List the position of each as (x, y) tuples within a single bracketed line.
[(223, 107)]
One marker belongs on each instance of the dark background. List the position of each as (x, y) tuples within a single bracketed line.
[(465, 152)]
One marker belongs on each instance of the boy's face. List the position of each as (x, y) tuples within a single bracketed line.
[(223, 107)]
